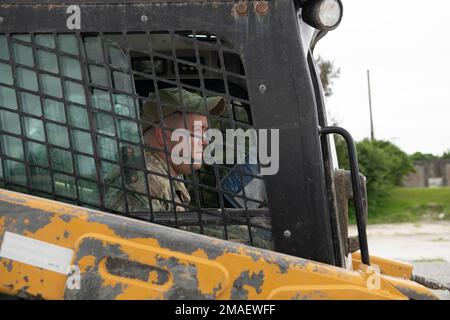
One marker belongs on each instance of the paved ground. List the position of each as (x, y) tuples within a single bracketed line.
[(426, 245)]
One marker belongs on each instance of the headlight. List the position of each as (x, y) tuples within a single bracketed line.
[(324, 15)]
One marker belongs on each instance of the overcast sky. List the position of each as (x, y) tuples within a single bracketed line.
[(406, 46)]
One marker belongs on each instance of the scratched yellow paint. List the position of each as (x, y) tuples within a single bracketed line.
[(387, 266), (215, 272), (326, 292), (207, 286), (39, 282), (302, 279), (131, 288), (86, 263), (2, 223)]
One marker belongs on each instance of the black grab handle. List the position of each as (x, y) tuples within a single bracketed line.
[(356, 185)]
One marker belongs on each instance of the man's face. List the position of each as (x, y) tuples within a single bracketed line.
[(195, 127)]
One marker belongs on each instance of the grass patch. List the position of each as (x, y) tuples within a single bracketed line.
[(412, 205)]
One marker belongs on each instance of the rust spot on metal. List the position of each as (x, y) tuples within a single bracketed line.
[(261, 8), (240, 9)]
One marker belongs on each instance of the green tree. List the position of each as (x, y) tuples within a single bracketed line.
[(382, 163), (446, 155), (423, 156), (399, 162)]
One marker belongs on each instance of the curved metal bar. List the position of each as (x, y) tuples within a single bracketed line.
[(356, 185)]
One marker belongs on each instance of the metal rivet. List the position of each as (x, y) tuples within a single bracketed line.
[(262, 88), (261, 8), (134, 178), (287, 233), (240, 9), (144, 18)]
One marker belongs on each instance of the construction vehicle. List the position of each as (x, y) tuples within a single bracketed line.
[(74, 77)]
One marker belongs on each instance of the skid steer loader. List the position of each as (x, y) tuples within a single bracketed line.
[(76, 207)]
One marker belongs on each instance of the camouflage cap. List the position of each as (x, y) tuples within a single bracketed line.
[(173, 99)]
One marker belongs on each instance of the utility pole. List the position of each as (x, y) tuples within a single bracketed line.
[(372, 135)]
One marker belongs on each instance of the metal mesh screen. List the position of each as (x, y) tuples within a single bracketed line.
[(72, 127)]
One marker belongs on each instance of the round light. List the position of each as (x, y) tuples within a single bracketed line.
[(329, 13), (324, 15)]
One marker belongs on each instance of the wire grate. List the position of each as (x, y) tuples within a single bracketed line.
[(72, 127)]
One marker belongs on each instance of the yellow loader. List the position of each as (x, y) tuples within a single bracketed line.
[(77, 218)]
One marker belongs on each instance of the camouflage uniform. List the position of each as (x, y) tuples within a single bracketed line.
[(158, 187)]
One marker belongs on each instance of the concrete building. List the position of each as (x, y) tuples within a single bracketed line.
[(429, 173)]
